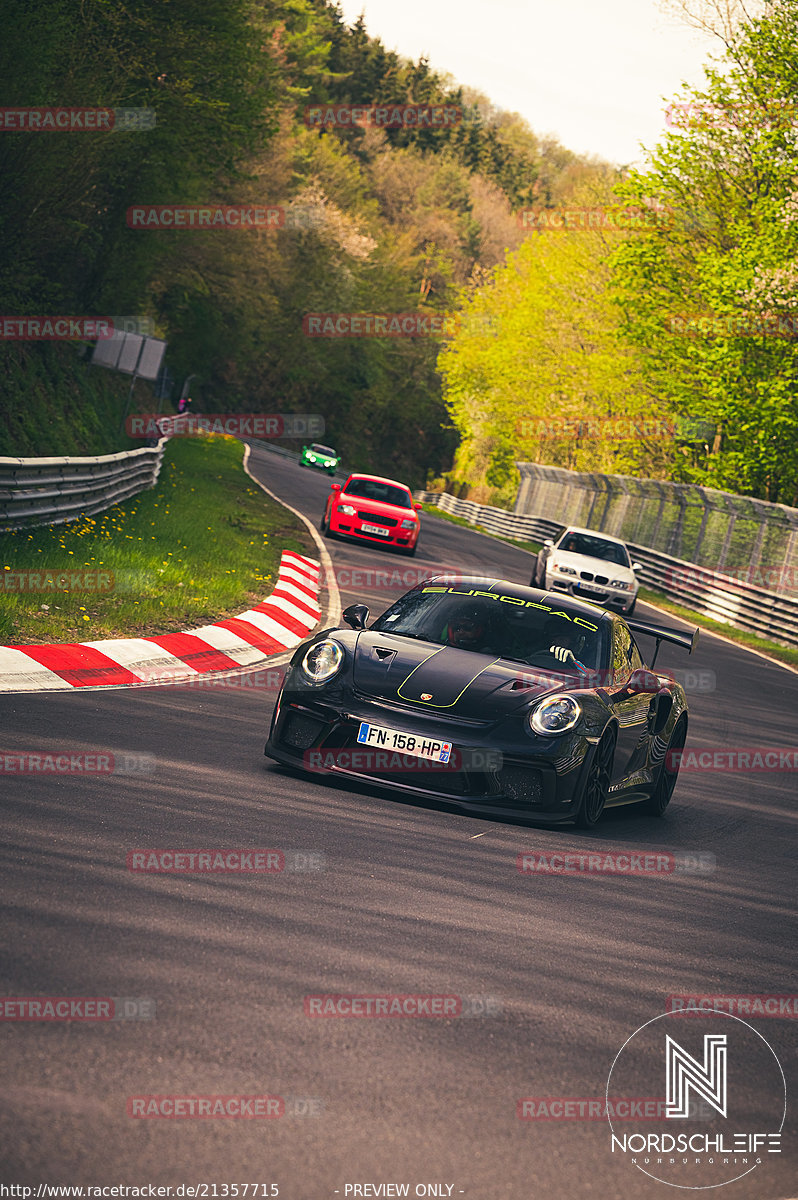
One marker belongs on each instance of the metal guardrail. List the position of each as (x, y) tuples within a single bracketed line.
[(739, 536), (53, 491), (730, 601)]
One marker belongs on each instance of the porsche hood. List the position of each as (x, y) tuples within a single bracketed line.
[(445, 679)]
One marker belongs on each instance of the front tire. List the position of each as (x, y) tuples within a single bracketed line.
[(631, 608), (324, 526), (597, 783), (660, 798)]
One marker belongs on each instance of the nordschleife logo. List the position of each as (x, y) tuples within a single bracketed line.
[(724, 1093)]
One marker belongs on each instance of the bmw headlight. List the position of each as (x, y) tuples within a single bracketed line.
[(621, 583), (409, 523), (349, 510), (322, 661), (557, 715), (564, 570)]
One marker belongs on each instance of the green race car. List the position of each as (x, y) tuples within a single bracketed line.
[(319, 456)]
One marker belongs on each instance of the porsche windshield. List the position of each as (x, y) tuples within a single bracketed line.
[(383, 493), (315, 449), (500, 625)]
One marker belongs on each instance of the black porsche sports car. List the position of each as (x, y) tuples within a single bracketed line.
[(491, 696)]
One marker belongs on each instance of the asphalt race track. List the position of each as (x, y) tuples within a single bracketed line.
[(395, 897)]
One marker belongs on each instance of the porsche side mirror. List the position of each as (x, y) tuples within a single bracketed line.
[(335, 487), (641, 680), (636, 567), (356, 615)]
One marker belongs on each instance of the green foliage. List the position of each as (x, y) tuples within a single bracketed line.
[(187, 552), (728, 178), (379, 220)]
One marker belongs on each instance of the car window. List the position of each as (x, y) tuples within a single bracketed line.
[(323, 450), (382, 493), (594, 547), (626, 656)]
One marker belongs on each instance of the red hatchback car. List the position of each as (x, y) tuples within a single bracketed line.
[(369, 508)]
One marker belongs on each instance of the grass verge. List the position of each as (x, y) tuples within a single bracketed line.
[(203, 544), (784, 654)]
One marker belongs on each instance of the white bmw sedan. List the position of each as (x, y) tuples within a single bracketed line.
[(589, 565)]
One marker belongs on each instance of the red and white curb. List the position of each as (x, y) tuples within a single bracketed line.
[(276, 624)]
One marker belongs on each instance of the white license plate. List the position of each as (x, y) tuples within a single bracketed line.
[(407, 743), (376, 529)]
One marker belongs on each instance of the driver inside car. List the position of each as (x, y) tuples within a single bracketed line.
[(467, 629), (566, 643)]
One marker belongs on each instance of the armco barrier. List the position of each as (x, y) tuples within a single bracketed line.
[(52, 491), (741, 605)]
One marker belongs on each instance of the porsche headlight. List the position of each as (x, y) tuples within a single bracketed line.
[(557, 715), (348, 509), (322, 661)]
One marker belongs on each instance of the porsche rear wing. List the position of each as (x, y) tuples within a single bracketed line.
[(688, 641)]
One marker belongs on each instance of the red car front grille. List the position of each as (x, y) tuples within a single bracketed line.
[(377, 519)]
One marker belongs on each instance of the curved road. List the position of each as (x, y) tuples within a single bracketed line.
[(406, 898)]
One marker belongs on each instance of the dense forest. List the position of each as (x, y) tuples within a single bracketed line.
[(582, 343), (661, 340), (374, 219)]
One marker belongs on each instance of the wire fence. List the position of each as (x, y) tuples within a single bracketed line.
[(734, 602), (748, 540)]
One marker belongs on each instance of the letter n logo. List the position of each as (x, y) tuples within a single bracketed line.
[(684, 1072)]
